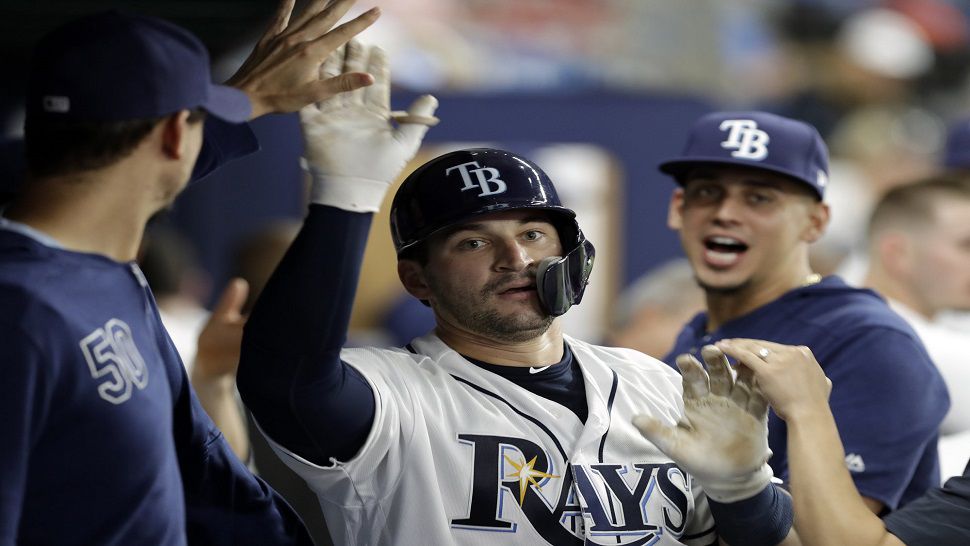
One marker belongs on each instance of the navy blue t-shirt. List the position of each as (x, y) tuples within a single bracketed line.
[(102, 441), (887, 396)]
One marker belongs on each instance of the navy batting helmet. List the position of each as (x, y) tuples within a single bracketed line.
[(457, 186)]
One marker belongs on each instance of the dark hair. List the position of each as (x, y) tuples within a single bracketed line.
[(913, 204), (58, 147)]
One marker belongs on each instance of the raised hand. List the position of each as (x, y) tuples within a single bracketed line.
[(722, 439), (282, 74), (788, 376), (217, 357), (216, 362), (352, 147)]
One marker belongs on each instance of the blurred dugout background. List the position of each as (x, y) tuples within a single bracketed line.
[(597, 91)]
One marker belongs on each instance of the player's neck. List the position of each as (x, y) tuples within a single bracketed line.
[(880, 281), (542, 350), (725, 306), (101, 212)]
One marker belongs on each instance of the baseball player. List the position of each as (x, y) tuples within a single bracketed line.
[(102, 440), (749, 202), (496, 427)]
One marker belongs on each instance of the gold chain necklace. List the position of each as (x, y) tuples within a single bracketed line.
[(811, 279)]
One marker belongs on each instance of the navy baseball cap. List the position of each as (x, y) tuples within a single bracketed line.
[(755, 139), (956, 153), (115, 66)]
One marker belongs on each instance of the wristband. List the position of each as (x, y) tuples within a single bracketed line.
[(727, 490), (347, 193), (762, 520)]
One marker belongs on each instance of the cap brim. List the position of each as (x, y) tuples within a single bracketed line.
[(678, 168), (228, 104)]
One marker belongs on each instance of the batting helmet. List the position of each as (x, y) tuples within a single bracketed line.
[(457, 186)]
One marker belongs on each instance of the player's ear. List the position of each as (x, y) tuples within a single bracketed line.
[(818, 219), (674, 220), (412, 277), (174, 130)]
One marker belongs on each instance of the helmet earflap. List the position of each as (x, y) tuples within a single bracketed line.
[(561, 280)]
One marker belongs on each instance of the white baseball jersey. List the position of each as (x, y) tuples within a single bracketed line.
[(460, 455)]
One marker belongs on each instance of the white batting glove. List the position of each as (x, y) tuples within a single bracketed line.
[(722, 439), (352, 149)]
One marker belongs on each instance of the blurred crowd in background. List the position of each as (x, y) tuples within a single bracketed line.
[(883, 81)]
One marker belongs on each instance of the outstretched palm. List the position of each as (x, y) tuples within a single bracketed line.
[(722, 438), (352, 134)]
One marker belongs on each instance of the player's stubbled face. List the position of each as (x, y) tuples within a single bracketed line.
[(741, 227), (482, 274)]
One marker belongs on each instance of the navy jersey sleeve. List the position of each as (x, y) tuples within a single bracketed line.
[(223, 142), (942, 516), (225, 503), (290, 373), (24, 395), (888, 400)]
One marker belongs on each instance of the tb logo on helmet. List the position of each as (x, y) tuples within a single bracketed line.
[(486, 178), (744, 137)]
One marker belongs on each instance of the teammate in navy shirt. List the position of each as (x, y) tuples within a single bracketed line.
[(749, 204), (102, 440)]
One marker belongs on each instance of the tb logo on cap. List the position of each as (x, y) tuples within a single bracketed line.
[(486, 178), (744, 137)]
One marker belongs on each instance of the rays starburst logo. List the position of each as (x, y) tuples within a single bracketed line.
[(526, 474)]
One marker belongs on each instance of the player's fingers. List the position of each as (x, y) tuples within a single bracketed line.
[(744, 356), (280, 19), (333, 65), (355, 60), (331, 68), (757, 403), (744, 376), (322, 90), (230, 304), (316, 12), (666, 438), (740, 394), (754, 344), (421, 114), (318, 18), (719, 370), (330, 41), (695, 379), (378, 96)]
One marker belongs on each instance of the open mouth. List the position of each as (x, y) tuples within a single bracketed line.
[(722, 251)]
